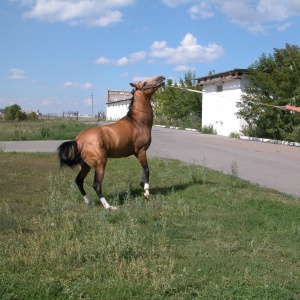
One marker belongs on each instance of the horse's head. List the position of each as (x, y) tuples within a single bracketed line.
[(149, 86)]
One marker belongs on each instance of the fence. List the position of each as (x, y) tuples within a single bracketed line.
[(71, 116)]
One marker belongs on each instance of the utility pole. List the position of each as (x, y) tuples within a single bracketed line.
[(92, 104)]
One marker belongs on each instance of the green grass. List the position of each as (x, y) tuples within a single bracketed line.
[(203, 235), (40, 130)]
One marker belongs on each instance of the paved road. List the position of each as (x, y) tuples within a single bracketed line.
[(269, 165)]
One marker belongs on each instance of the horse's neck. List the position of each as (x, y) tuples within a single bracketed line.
[(143, 111)]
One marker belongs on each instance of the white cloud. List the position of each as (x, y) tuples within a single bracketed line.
[(174, 3), (201, 11), (252, 15), (16, 74), (293, 6), (104, 61), (87, 85), (105, 20), (123, 61), (284, 26), (256, 17), (91, 13), (259, 15), (184, 68), (70, 84), (188, 51), (137, 56)]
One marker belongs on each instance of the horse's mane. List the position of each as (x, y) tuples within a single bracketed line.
[(130, 109)]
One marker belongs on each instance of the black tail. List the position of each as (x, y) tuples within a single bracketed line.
[(68, 154)]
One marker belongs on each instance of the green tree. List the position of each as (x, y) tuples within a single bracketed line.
[(32, 116), (13, 113), (178, 104), (274, 80)]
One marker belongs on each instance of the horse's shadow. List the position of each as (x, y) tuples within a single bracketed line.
[(122, 197)]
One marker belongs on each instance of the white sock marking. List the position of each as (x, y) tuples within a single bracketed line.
[(87, 200), (146, 188), (106, 205)]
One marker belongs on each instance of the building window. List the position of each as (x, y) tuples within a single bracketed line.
[(219, 88)]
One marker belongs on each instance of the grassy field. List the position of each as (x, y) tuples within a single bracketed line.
[(203, 235), (41, 130), (63, 129)]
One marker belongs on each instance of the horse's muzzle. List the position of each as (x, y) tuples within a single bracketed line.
[(156, 82)]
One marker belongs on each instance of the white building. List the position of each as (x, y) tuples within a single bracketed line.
[(221, 92), (117, 104)]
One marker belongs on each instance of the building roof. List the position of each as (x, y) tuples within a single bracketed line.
[(117, 96), (221, 77)]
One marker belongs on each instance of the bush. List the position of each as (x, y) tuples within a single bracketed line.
[(294, 136), (234, 135), (191, 121), (45, 132), (209, 129), (32, 116)]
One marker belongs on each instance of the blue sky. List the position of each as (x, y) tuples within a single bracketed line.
[(56, 53)]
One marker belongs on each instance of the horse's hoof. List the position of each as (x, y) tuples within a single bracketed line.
[(87, 201), (147, 196), (112, 208)]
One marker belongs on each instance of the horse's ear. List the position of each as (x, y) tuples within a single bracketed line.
[(133, 85)]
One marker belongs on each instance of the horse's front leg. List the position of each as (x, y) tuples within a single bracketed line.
[(98, 177), (142, 156)]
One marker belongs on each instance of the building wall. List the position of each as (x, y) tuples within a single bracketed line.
[(219, 108), (117, 110)]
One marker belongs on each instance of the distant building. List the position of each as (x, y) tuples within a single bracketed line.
[(222, 91), (117, 104), (29, 111)]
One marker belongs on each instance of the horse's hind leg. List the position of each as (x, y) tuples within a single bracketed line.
[(145, 174), (84, 170), (98, 177)]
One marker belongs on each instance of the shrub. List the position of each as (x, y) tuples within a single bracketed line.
[(208, 129), (294, 136), (45, 132), (234, 135), (191, 121), (32, 116)]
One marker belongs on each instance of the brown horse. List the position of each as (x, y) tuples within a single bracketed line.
[(130, 135)]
